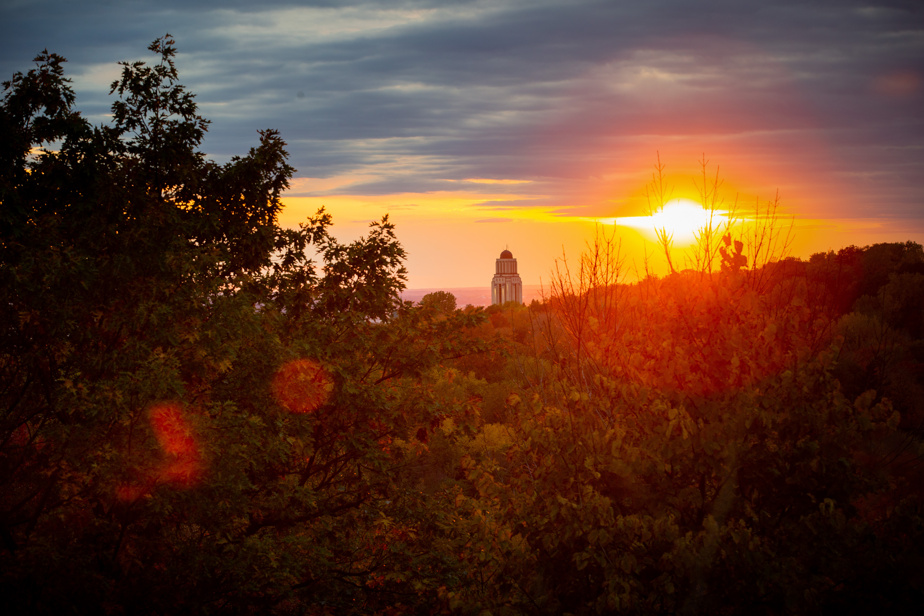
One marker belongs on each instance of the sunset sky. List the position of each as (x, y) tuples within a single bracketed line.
[(485, 125)]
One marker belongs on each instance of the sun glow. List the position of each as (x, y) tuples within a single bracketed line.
[(680, 219)]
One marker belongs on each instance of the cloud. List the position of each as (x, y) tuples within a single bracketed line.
[(415, 96)]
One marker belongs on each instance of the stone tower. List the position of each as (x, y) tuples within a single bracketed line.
[(506, 285)]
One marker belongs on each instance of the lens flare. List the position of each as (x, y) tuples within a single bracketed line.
[(302, 386), (181, 463), (175, 436), (172, 430), (130, 492)]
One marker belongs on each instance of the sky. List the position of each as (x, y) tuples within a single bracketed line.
[(530, 125)]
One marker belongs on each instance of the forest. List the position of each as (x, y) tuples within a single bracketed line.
[(205, 412)]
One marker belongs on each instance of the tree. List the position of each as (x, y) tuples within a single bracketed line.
[(731, 239), (689, 450), (194, 413), (442, 302)]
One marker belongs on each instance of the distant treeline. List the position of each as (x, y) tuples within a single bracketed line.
[(474, 296)]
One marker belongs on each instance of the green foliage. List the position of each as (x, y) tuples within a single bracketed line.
[(195, 416)]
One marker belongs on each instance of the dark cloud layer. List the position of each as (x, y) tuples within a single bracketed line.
[(417, 93)]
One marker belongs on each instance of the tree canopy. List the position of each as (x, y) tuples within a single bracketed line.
[(194, 411), (202, 411)]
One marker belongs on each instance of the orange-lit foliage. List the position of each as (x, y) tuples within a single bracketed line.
[(699, 335), (681, 441), (695, 331), (302, 386)]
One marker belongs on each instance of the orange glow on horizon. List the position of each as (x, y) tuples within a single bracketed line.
[(432, 206), (452, 237)]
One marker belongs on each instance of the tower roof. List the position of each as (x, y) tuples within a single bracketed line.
[(506, 255)]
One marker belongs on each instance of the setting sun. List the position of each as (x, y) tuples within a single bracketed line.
[(680, 219)]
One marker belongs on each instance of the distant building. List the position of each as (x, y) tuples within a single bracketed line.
[(506, 285)]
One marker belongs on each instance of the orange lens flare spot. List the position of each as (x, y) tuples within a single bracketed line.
[(172, 430), (129, 492), (302, 386), (174, 433), (180, 465)]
